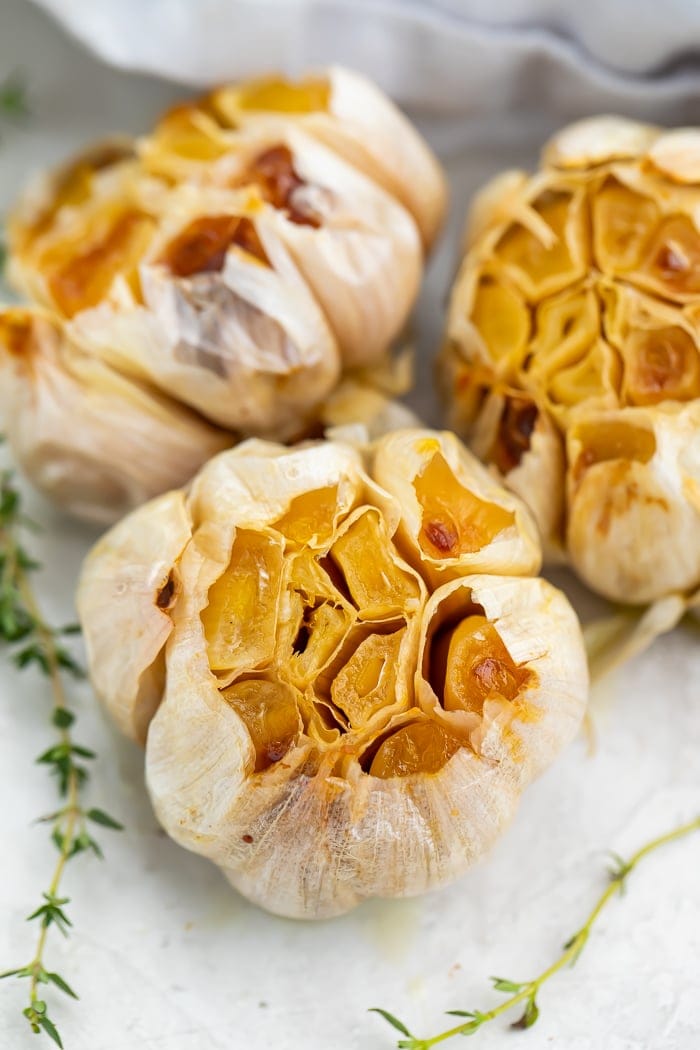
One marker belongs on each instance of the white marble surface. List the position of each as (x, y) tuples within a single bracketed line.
[(166, 957)]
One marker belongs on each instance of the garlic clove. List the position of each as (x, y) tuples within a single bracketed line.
[(236, 335), (455, 518), (129, 585), (525, 681), (125, 442), (598, 140), (350, 115), (633, 494)]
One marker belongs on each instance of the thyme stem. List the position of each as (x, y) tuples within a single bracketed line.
[(526, 991), (32, 640)]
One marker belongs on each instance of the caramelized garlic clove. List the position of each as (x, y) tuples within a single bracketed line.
[(633, 506), (455, 517)]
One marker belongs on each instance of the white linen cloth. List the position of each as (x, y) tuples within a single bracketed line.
[(451, 57)]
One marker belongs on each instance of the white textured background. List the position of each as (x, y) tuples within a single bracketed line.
[(165, 956)]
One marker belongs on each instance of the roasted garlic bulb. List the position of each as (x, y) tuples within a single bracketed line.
[(572, 355), (237, 268), (339, 659)]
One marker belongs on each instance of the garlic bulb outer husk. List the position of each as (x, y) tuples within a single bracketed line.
[(93, 440)]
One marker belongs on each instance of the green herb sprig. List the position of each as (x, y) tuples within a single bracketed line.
[(524, 993), (31, 642), (14, 102)]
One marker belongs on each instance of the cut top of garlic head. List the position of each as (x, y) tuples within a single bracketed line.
[(340, 661), (572, 355)]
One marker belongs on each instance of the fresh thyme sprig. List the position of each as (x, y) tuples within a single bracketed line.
[(32, 642), (524, 993), (13, 97)]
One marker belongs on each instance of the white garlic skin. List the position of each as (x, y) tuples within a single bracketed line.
[(315, 846), (91, 439)]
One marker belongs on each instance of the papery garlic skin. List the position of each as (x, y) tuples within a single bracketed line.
[(338, 718), (238, 268), (574, 325), (95, 441), (346, 112)]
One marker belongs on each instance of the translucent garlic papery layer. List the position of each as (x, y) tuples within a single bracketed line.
[(348, 670), (577, 309), (241, 268)]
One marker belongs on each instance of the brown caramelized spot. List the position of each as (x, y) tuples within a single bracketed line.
[(166, 594), (673, 259), (474, 664), (515, 430), (420, 747), (442, 536), (202, 246), (241, 618), (81, 277), (273, 172), (310, 516), (610, 440), (17, 332), (270, 713), (455, 521), (660, 364)]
